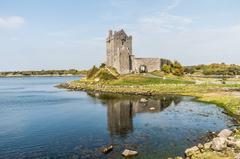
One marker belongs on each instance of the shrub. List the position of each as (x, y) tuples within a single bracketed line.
[(92, 72), (166, 68), (177, 69)]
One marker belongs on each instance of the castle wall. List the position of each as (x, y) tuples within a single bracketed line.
[(124, 59), (151, 64), (119, 49), (119, 55)]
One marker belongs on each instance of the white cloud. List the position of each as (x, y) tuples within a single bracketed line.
[(192, 46), (11, 22), (173, 5), (164, 22)]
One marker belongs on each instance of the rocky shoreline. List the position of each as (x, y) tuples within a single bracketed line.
[(225, 145)]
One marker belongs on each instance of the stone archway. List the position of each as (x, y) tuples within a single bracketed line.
[(143, 69)]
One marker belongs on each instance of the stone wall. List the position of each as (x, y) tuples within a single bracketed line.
[(120, 56), (119, 49), (151, 64)]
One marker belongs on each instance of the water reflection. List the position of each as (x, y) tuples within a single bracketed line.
[(121, 109)]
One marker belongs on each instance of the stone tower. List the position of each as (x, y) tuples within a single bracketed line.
[(119, 51)]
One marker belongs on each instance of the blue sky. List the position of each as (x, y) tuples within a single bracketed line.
[(64, 34)]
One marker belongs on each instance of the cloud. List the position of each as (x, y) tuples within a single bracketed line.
[(173, 5), (164, 22), (12, 22), (192, 46)]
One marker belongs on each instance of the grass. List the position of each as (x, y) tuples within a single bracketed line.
[(215, 155), (226, 100), (143, 80), (219, 94)]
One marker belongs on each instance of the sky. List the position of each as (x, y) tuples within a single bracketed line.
[(66, 34)]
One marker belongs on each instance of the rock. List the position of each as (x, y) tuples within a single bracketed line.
[(234, 143), (191, 151), (107, 149), (200, 146), (143, 100), (225, 133), (231, 138), (152, 108), (219, 143), (128, 153), (207, 145), (236, 130), (97, 79), (237, 156)]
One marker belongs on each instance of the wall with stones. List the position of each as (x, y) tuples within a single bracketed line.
[(152, 64), (119, 49), (124, 61), (119, 55)]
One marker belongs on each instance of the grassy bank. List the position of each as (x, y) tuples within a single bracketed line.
[(225, 96)]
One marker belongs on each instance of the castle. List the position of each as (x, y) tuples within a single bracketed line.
[(120, 55)]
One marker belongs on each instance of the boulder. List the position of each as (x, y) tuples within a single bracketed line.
[(152, 108), (225, 133), (191, 151), (107, 149), (143, 100), (207, 145), (237, 156), (234, 143), (97, 79), (219, 143), (129, 153), (200, 146)]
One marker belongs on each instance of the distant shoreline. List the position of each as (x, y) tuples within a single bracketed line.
[(12, 76), (44, 73)]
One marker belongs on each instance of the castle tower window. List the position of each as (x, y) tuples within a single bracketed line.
[(123, 41)]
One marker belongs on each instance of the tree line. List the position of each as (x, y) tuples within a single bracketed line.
[(44, 72)]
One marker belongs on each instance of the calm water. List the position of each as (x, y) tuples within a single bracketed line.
[(38, 120)]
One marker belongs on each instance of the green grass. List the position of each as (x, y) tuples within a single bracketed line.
[(229, 102), (143, 80), (219, 94)]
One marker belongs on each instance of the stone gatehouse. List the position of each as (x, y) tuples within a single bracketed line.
[(120, 55)]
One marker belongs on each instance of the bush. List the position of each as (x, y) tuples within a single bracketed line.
[(92, 72), (166, 68), (177, 69), (189, 70), (102, 65), (104, 75)]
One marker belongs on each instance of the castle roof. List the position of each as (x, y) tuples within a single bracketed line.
[(120, 33)]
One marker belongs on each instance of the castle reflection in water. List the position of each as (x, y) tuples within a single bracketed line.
[(121, 109)]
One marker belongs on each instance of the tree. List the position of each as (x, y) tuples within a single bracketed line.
[(177, 69)]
